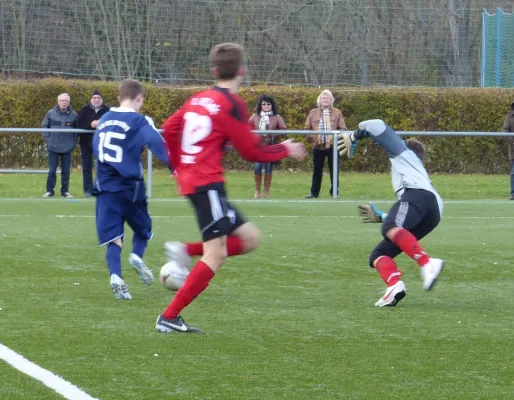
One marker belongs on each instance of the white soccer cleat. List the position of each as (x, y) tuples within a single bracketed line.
[(430, 272), (177, 251), (393, 295), (119, 288), (145, 275)]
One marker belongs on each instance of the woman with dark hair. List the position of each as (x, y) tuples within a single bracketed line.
[(266, 117)]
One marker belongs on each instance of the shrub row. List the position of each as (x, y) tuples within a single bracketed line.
[(24, 104)]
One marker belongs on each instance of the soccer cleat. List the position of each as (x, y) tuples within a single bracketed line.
[(393, 295), (67, 195), (48, 194), (119, 288), (177, 251), (145, 275), (430, 272), (174, 325)]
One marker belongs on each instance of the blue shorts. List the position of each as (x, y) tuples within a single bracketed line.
[(113, 209)]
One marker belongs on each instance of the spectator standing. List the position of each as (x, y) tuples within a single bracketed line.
[(87, 118), (508, 126), (323, 118), (266, 117), (60, 144)]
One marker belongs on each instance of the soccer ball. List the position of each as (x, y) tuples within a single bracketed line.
[(173, 275)]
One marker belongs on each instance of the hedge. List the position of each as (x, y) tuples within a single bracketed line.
[(24, 104)]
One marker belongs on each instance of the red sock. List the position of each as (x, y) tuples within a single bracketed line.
[(234, 247), (196, 282), (388, 270), (195, 249), (410, 246)]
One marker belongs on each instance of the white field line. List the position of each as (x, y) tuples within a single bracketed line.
[(264, 201), (49, 379), (59, 216)]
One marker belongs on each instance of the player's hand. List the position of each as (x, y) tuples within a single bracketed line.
[(370, 213), (294, 149), (347, 144)]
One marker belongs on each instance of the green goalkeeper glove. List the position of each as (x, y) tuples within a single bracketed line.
[(371, 214), (347, 144)]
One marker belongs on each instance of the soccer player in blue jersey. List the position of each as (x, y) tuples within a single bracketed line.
[(416, 213), (119, 140)]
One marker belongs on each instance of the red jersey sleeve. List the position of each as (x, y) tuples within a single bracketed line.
[(247, 143), (172, 134)]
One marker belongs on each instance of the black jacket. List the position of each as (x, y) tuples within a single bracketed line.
[(87, 114)]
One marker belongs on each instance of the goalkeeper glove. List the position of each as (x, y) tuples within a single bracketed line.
[(347, 144), (370, 213)]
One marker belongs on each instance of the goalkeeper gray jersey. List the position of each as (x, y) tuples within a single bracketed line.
[(407, 170)]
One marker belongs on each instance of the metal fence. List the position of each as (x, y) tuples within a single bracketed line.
[(278, 132)]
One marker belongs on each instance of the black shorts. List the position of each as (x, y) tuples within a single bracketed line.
[(417, 211), (215, 215)]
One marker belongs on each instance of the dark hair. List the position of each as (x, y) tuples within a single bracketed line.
[(417, 147), (226, 58), (268, 99), (129, 89)]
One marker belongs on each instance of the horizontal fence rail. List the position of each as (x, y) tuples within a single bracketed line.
[(260, 132), (280, 132)]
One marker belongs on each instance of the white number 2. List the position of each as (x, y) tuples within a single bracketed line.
[(105, 142), (196, 128)]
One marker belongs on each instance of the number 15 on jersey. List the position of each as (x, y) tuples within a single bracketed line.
[(105, 144)]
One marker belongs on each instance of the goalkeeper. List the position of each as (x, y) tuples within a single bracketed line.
[(416, 213)]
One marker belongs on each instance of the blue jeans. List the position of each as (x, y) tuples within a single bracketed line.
[(53, 161), (258, 167)]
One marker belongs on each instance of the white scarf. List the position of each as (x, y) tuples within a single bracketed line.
[(324, 124), (264, 122)]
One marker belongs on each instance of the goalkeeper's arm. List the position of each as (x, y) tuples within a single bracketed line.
[(370, 213)]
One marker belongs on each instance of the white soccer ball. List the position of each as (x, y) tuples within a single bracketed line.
[(173, 275)]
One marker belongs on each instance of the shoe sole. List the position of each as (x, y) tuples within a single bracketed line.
[(145, 275), (397, 297), (165, 329), (436, 278)]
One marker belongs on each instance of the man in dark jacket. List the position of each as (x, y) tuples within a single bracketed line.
[(60, 144), (88, 117), (508, 126)]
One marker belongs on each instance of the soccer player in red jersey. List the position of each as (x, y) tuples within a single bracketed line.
[(196, 136)]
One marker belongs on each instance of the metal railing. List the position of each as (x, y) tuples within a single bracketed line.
[(268, 132)]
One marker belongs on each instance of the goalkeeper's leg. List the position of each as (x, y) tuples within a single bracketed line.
[(381, 259)]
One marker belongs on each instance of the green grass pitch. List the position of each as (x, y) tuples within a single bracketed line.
[(294, 320)]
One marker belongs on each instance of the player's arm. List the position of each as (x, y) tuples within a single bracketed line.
[(370, 213), (172, 133), (155, 141), (379, 131), (249, 145)]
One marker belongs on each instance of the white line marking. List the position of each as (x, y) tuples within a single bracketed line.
[(59, 385), (59, 216), (264, 201)]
